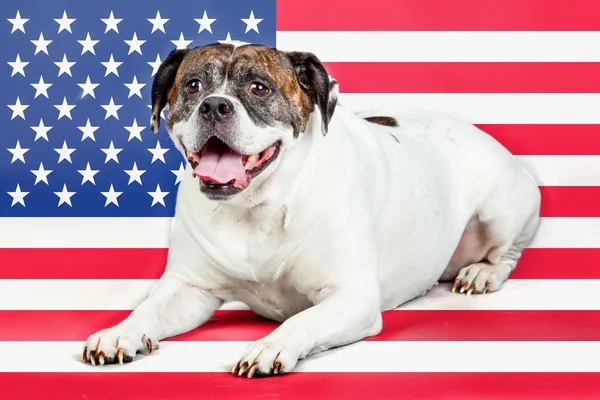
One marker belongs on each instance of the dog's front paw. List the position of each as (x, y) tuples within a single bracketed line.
[(266, 358), (115, 345)]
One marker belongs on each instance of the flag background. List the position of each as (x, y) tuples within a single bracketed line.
[(527, 72)]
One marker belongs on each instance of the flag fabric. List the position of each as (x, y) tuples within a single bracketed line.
[(87, 194)]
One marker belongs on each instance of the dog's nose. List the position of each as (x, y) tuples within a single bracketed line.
[(216, 108)]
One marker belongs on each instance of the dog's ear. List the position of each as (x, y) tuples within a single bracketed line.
[(314, 80), (163, 82)]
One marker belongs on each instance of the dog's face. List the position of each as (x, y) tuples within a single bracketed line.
[(234, 110)]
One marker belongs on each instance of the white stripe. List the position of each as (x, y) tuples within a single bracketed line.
[(487, 108), (440, 46), (154, 232), (84, 232), (364, 356), (126, 294), (567, 233), (580, 170)]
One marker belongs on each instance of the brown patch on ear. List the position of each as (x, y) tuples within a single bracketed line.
[(163, 83), (386, 121)]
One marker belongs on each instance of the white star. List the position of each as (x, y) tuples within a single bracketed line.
[(64, 109), (41, 44), (158, 196), (205, 23), (18, 23), (18, 196), (18, 109), (111, 196), (135, 44), (111, 153), (158, 23), (64, 196), (18, 153), (88, 174), (88, 88), (41, 87), (162, 113), (64, 66), (64, 22), (18, 66), (135, 174), (135, 87), (41, 131), (64, 153), (111, 66), (181, 43), (228, 40), (154, 64), (88, 44), (251, 22), (135, 131), (88, 131), (111, 23), (158, 153), (179, 173), (41, 174), (111, 109)]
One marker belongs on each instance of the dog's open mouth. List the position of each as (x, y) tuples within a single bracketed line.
[(219, 167)]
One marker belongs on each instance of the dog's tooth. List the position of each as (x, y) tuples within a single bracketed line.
[(251, 160)]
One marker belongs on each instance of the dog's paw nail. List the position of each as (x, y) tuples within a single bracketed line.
[(486, 288), (243, 369), (120, 354), (464, 287), (101, 358), (456, 283), (276, 367), (471, 289), (148, 342), (236, 368), (252, 369), (84, 358)]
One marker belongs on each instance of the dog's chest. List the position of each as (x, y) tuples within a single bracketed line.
[(255, 259)]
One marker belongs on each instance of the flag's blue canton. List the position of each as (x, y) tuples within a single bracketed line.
[(244, 20)]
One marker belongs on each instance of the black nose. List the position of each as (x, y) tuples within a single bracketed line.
[(216, 108)]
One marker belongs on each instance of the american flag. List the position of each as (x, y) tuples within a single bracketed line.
[(87, 193)]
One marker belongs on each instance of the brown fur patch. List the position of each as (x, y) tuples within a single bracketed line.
[(386, 121)]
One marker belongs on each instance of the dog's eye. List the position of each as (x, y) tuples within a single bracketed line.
[(258, 89), (193, 86)]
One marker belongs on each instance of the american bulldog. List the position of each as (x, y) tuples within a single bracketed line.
[(314, 215)]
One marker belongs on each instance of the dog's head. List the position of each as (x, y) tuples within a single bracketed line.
[(233, 110)]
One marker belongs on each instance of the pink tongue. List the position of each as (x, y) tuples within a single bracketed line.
[(220, 168)]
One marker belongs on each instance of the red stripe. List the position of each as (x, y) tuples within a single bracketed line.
[(314, 386), (547, 139), (67, 263), (557, 264), (466, 77), (150, 263), (403, 325), (570, 201), (438, 15)]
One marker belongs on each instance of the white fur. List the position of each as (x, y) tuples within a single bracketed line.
[(340, 228)]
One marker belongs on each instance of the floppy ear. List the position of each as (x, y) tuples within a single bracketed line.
[(163, 81), (314, 80)]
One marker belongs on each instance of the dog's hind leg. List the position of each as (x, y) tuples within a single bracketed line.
[(507, 224), (489, 274)]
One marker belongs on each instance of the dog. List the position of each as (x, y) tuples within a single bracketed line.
[(313, 215)]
